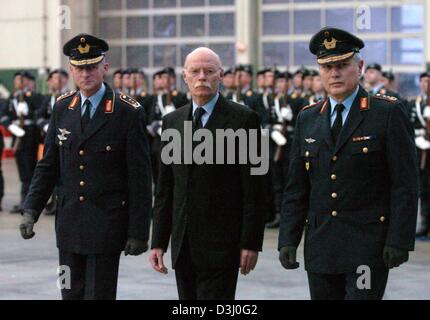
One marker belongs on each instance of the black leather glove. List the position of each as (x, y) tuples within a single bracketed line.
[(394, 257), (287, 256), (135, 247), (26, 225)]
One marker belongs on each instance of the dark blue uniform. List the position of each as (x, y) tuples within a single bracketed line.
[(103, 178), (352, 198)]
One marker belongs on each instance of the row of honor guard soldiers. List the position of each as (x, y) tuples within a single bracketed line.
[(26, 115)]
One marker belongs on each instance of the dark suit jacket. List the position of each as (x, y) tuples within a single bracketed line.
[(365, 198), (103, 176), (216, 207)]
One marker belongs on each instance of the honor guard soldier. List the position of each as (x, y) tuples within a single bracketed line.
[(420, 118), (3, 108), (96, 153), (228, 82), (318, 92), (353, 180), (117, 81), (166, 100), (19, 119), (243, 93), (374, 81)]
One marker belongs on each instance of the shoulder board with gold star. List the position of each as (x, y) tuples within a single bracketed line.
[(384, 97), (65, 95), (129, 100)]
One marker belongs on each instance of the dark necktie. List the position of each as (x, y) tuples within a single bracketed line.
[(197, 121), (86, 117), (337, 125)]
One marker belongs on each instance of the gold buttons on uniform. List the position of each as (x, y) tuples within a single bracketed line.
[(334, 195), (307, 220), (60, 143), (365, 150), (81, 152), (123, 203), (382, 219), (81, 167), (307, 154), (334, 158), (81, 199), (82, 183), (334, 214), (108, 148), (333, 177)]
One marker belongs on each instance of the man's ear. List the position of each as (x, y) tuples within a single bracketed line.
[(184, 76), (360, 67)]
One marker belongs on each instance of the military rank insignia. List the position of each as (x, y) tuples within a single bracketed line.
[(364, 104), (108, 106), (129, 101), (74, 102)]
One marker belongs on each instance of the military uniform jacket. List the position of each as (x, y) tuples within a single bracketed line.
[(357, 196), (215, 207), (103, 175)]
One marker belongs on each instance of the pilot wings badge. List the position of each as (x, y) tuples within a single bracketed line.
[(63, 133), (310, 140)]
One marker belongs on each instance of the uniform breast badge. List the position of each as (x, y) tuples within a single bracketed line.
[(63, 132)]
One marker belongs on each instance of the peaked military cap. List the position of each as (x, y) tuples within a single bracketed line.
[(333, 45), (85, 49), (375, 66), (425, 75), (28, 75), (228, 71), (245, 67), (388, 75)]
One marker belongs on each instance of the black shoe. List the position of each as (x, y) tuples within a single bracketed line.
[(274, 223), (16, 209)]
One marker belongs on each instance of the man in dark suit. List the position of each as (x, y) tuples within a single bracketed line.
[(211, 211), (96, 153), (353, 180)]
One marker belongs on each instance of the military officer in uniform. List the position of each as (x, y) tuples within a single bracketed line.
[(19, 118), (96, 153), (353, 180), (420, 119)]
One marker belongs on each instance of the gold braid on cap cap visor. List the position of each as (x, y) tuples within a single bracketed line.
[(86, 61), (335, 58)]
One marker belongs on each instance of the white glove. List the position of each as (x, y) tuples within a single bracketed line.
[(287, 113), (426, 112), (22, 108), (16, 131), (422, 143), (278, 138), (168, 109), (45, 127)]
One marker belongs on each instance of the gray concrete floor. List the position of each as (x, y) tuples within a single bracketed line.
[(28, 268)]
